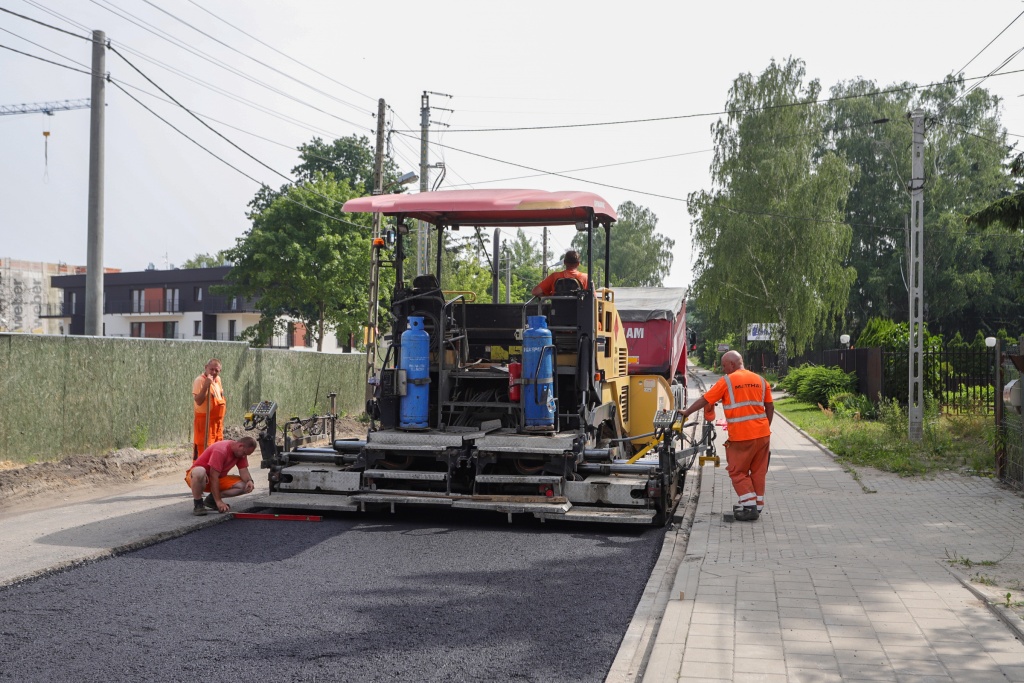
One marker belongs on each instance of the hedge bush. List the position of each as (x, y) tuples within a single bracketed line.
[(814, 383)]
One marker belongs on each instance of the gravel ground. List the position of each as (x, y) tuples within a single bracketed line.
[(418, 596)]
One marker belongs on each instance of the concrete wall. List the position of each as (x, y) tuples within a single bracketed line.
[(67, 395)]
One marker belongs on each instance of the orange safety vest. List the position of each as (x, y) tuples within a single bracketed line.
[(743, 401)]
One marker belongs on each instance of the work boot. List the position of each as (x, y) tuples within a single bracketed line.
[(198, 509), (747, 513), (209, 502)]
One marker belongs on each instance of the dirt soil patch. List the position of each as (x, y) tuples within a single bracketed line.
[(20, 483)]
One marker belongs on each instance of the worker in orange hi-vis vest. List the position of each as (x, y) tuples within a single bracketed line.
[(208, 405), (571, 261), (747, 402)]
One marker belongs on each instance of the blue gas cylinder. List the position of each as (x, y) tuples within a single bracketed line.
[(415, 360), (538, 374)]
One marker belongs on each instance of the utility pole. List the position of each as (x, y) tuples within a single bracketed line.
[(372, 327), (544, 258), (423, 229), (915, 383), (495, 266), (94, 244)]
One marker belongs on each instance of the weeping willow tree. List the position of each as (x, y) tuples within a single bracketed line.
[(769, 237)]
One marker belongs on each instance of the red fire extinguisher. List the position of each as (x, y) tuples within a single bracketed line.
[(515, 371)]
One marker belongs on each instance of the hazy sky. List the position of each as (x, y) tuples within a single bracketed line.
[(322, 66)]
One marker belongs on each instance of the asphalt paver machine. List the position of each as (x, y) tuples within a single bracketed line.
[(518, 408)]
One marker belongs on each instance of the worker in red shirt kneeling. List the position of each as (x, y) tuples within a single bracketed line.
[(210, 473)]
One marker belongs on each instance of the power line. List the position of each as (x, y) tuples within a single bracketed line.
[(187, 76), (988, 44), (48, 61), (657, 119), (186, 136), (235, 168), (230, 142), (271, 47), (261, 63), (560, 175), (55, 28), (43, 47), (202, 55), (592, 168)]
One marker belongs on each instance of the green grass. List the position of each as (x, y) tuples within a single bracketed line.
[(953, 443)]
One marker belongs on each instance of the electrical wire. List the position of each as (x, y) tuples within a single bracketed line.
[(725, 112), (43, 47), (592, 168), (55, 28), (271, 47), (127, 16), (186, 136), (230, 142), (328, 95), (220, 91), (48, 61), (559, 175), (961, 70)]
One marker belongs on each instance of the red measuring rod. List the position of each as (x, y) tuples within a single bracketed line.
[(283, 518)]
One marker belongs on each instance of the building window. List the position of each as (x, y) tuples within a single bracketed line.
[(138, 300), (171, 330), (138, 329), (197, 293), (231, 330), (171, 300), (234, 303), (197, 328), (74, 303)]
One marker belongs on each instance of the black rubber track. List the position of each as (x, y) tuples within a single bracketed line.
[(418, 596)]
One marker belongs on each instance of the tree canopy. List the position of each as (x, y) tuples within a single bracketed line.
[(306, 259), (965, 147), (640, 256), (207, 260), (770, 237)]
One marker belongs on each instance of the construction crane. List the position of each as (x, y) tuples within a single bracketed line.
[(43, 107)]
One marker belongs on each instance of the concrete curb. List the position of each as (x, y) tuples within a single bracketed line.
[(991, 601), (634, 653)]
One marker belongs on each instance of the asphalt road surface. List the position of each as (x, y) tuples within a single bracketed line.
[(418, 596)]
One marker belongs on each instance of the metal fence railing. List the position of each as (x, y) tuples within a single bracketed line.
[(1011, 469), (960, 380)]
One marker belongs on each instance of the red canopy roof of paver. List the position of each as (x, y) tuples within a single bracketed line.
[(489, 207)]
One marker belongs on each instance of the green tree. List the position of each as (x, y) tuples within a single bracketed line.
[(640, 256), (964, 153), (207, 260), (304, 258), (770, 237), (350, 158)]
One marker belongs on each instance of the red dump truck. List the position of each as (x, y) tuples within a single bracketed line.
[(655, 322)]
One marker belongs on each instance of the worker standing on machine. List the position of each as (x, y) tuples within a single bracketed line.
[(571, 261), (747, 401), (208, 409)]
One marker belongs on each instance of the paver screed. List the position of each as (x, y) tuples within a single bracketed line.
[(834, 583)]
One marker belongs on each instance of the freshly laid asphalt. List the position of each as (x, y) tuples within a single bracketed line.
[(417, 596), (840, 580)]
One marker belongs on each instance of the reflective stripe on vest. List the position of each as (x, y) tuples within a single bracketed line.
[(744, 404)]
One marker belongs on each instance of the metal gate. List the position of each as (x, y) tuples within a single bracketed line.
[(1010, 457)]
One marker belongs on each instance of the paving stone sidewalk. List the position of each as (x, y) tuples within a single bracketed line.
[(836, 583)]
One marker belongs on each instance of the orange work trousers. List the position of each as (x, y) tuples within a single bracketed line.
[(214, 430), (748, 468), (226, 482)]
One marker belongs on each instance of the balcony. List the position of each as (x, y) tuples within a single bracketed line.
[(60, 310), (210, 305)]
